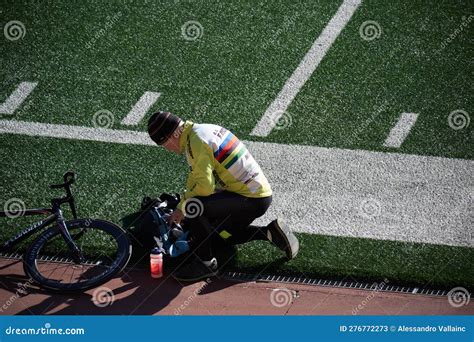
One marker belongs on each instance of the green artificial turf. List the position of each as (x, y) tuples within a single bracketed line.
[(361, 88), (229, 76), (247, 51), (113, 187), (348, 258)]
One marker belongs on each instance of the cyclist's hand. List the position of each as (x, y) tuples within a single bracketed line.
[(176, 216)]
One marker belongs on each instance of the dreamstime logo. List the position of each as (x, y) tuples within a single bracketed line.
[(375, 289), (281, 297), (281, 120), (21, 290), (103, 296), (462, 27), (370, 208), (193, 296), (192, 30), (458, 119), (14, 30), (201, 110), (378, 109), (458, 296), (103, 119), (47, 329), (177, 132), (193, 208), (370, 30), (14, 207), (109, 23)]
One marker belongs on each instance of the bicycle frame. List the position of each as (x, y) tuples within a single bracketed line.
[(27, 232), (56, 216)]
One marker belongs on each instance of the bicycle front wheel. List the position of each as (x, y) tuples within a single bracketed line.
[(105, 246)]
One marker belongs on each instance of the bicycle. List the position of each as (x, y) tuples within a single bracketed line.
[(66, 257)]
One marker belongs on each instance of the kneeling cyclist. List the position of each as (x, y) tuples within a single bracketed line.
[(226, 191)]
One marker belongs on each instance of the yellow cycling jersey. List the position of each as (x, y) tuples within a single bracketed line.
[(219, 161)]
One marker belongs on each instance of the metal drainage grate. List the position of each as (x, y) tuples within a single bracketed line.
[(11, 256), (17, 256), (237, 276)]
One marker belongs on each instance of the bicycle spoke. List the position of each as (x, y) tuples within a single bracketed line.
[(68, 272)]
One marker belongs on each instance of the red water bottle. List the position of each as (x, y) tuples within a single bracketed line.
[(156, 263)]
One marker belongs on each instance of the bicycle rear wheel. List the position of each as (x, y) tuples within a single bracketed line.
[(105, 246)]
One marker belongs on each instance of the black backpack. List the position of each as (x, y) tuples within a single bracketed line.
[(147, 227)]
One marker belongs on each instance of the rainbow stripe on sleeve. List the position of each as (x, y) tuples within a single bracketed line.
[(231, 149)]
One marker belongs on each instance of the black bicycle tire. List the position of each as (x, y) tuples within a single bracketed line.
[(124, 252)]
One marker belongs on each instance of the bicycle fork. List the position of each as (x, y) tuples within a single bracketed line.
[(77, 254)]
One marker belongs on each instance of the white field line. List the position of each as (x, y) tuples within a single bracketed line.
[(400, 131), (305, 69), (75, 132), (138, 111), (16, 98), (388, 196)]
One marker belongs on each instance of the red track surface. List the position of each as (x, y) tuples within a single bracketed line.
[(135, 292)]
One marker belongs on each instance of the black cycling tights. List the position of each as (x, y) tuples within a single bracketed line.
[(228, 215)]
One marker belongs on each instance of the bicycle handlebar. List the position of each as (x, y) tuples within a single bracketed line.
[(69, 178)]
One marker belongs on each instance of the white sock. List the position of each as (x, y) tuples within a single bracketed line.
[(211, 262)]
